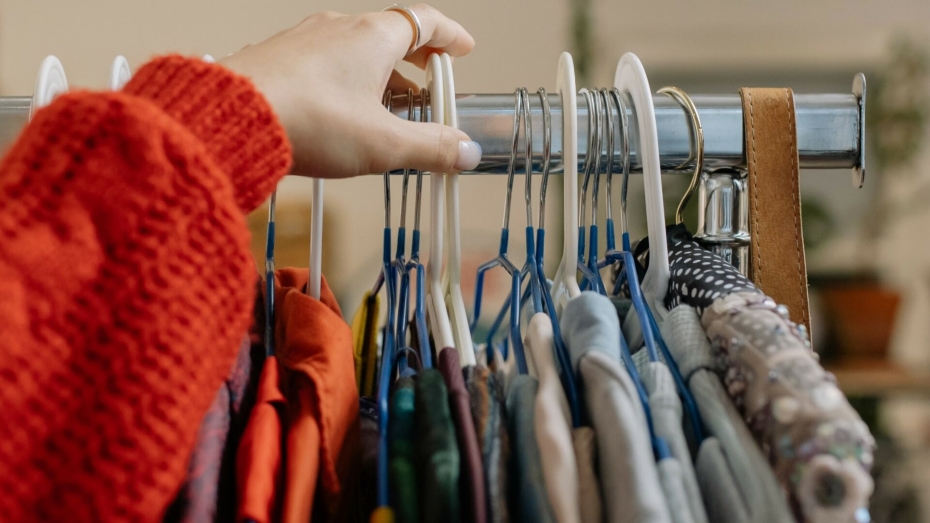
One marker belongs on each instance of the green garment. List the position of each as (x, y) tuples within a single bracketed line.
[(402, 463), (438, 465)]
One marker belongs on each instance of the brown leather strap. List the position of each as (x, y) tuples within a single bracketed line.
[(778, 266)]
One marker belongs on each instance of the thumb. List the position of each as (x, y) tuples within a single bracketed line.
[(429, 147)]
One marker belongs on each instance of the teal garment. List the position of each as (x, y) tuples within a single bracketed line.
[(402, 460), (437, 451), (530, 503)]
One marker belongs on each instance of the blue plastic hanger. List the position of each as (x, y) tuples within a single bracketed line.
[(404, 268), (659, 445), (387, 278), (652, 336), (269, 278), (503, 261), (562, 358)]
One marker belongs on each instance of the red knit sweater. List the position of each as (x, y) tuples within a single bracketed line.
[(126, 285)]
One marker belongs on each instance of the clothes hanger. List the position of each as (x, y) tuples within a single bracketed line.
[(437, 313), (503, 261), (652, 336), (528, 272), (630, 80), (269, 277), (592, 163), (50, 82), (452, 280), (596, 132), (565, 284), (697, 151), (386, 278), (120, 73), (562, 357), (425, 356)]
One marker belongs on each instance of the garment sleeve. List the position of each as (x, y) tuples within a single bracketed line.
[(126, 284)]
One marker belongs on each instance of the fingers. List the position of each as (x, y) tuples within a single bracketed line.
[(426, 146), (437, 33), (399, 84)]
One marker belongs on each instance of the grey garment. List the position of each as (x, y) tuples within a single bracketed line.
[(666, 409), (628, 472), (743, 462), (722, 494), (670, 474), (531, 503)]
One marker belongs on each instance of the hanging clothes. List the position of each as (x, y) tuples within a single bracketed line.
[(401, 445), (438, 464), (365, 342), (735, 478), (314, 348), (584, 442), (471, 481), (530, 502), (626, 464), (486, 396), (208, 493), (259, 466), (552, 423)]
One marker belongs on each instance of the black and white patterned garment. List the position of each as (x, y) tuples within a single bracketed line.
[(698, 277)]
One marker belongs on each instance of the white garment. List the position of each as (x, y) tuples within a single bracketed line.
[(553, 423)]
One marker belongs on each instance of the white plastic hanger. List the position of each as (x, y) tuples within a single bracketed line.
[(565, 284), (50, 82), (316, 241), (119, 73), (439, 321), (452, 279), (631, 80)]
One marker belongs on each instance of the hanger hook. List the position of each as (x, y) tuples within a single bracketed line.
[(599, 119), (547, 154), (697, 143), (424, 104), (517, 109), (403, 198), (528, 156), (624, 154), (609, 130), (388, 103), (588, 160)]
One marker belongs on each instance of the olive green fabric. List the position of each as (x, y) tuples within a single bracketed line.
[(437, 450)]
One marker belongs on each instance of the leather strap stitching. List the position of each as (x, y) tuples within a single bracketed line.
[(792, 137)]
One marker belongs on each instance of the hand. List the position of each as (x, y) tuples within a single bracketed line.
[(325, 78)]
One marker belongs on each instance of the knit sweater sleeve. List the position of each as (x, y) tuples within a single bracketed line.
[(126, 285)]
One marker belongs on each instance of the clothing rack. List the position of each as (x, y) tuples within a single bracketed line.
[(831, 130)]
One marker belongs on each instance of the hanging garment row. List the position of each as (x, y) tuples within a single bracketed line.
[(680, 391)]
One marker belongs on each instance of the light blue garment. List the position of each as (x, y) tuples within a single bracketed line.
[(629, 478)]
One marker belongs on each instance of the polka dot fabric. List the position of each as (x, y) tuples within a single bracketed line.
[(698, 277)]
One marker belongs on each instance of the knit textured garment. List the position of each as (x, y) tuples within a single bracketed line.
[(126, 285)]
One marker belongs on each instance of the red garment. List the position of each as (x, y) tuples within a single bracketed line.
[(314, 346), (258, 460), (126, 283)]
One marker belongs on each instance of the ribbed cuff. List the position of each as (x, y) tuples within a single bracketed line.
[(226, 112)]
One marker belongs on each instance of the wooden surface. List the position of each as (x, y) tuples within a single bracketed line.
[(879, 378)]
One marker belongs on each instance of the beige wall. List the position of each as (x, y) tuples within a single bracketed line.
[(518, 45)]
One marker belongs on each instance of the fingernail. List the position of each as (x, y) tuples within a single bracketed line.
[(469, 155)]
